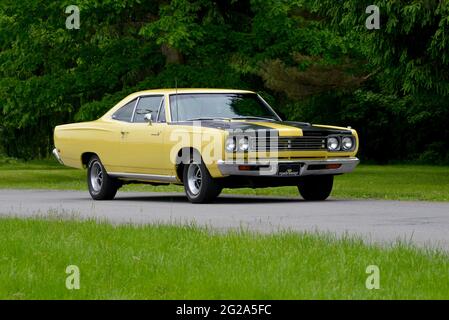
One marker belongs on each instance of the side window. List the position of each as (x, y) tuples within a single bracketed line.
[(149, 104), (125, 113), (161, 117)]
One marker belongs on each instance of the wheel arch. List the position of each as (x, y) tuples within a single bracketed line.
[(85, 157), (183, 156)]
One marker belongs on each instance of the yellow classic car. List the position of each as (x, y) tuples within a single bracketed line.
[(206, 140)]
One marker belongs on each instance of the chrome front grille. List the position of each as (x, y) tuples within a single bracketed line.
[(287, 143)]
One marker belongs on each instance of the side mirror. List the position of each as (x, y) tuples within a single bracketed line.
[(148, 119)]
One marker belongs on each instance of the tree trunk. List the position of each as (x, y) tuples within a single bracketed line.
[(172, 55)]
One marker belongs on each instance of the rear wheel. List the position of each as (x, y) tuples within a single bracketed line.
[(101, 185), (316, 188), (199, 186)]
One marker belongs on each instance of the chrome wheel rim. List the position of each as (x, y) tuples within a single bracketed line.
[(96, 176), (194, 179)]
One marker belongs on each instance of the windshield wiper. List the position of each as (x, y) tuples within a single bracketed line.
[(208, 118), (228, 119), (255, 118)]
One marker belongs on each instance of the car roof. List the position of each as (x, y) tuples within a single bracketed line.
[(169, 91), (190, 90)]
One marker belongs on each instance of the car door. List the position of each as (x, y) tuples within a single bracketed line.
[(143, 148), (113, 137)]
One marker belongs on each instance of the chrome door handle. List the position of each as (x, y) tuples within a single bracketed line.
[(123, 133), (156, 134)]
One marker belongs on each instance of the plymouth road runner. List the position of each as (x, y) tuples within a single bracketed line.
[(206, 140)]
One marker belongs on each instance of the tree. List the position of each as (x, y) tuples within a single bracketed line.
[(315, 59)]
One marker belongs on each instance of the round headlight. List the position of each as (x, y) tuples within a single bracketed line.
[(347, 143), (333, 144), (243, 144), (230, 144)]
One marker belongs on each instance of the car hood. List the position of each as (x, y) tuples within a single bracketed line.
[(283, 128)]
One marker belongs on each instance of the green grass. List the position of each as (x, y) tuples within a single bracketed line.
[(394, 182), (174, 262)]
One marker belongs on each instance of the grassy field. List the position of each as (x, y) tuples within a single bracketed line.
[(170, 262), (395, 182)]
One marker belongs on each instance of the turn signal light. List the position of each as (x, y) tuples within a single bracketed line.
[(333, 166)]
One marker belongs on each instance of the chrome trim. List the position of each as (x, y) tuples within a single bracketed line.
[(96, 176), (230, 92), (134, 110), (161, 105), (144, 96), (194, 178), (144, 177), (269, 107), (340, 140), (231, 168), (132, 116), (302, 143), (57, 156)]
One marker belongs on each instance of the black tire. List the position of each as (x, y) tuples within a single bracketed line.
[(208, 189), (104, 189), (316, 188)]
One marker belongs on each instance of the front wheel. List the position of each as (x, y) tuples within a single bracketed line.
[(101, 185), (199, 186), (316, 188)]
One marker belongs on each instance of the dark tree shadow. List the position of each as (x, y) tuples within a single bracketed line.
[(223, 199)]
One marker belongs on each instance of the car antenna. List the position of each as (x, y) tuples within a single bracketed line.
[(176, 98)]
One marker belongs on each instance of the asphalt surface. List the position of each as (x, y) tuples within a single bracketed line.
[(422, 223)]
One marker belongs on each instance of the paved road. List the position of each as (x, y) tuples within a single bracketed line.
[(424, 223)]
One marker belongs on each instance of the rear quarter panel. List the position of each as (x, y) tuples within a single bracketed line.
[(72, 140)]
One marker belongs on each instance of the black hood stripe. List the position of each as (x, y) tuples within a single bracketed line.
[(225, 125), (307, 128), (311, 130)]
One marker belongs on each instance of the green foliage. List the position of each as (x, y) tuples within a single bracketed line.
[(315, 60), (310, 77), (48, 72), (178, 25), (411, 46)]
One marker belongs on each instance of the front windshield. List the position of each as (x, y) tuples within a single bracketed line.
[(199, 106)]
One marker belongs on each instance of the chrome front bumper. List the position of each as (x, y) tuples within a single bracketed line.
[(57, 156), (288, 168)]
